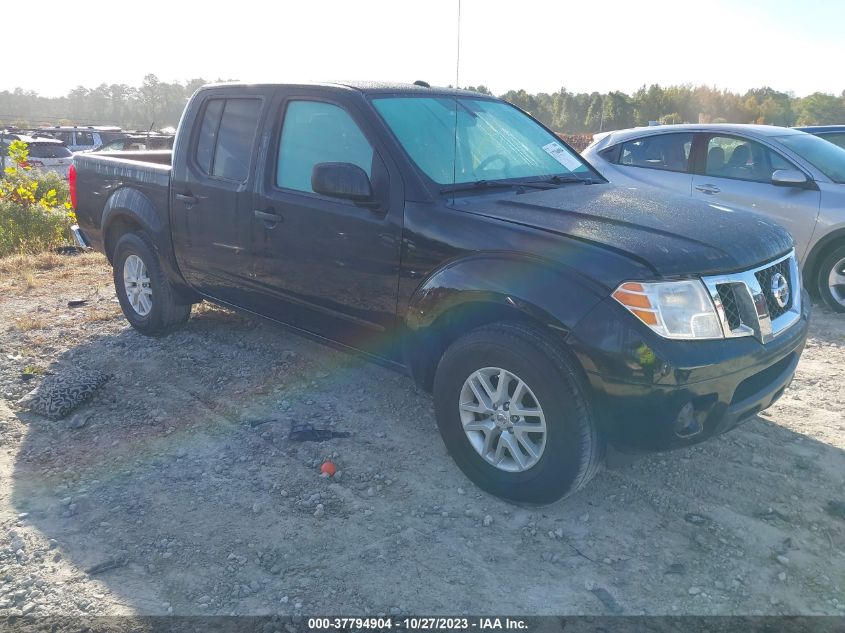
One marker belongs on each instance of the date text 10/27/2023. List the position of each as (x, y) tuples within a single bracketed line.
[(418, 623)]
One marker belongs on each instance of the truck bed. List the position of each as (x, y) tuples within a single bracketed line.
[(158, 156), (110, 181)]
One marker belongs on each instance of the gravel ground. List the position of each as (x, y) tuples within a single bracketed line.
[(176, 489)]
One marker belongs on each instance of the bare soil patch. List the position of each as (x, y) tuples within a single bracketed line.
[(177, 491)]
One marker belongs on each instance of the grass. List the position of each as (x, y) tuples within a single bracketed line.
[(33, 370), (104, 314), (29, 271), (48, 261), (43, 261), (27, 323), (28, 278)]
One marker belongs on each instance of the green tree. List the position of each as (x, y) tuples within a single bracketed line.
[(821, 109), (617, 111), (671, 119), (521, 99), (593, 122), (648, 104), (480, 88)]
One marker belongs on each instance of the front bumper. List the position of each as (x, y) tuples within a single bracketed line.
[(651, 393)]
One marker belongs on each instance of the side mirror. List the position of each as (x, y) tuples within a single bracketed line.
[(789, 178), (342, 180)]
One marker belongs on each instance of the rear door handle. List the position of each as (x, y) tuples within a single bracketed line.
[(187, 198), (708, 189), (270, 219)]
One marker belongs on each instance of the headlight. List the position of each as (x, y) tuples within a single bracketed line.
[(673, 309)]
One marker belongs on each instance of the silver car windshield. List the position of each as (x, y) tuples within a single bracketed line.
[(495, 141), (823, 155)]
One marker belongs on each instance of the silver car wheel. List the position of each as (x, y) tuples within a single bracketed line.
[(136, 283), (836, 281), (503, 419)]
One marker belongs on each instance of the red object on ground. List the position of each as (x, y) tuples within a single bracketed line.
[(328, 468)]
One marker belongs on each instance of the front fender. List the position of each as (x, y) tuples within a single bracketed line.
[(541, 290), (488, 287)]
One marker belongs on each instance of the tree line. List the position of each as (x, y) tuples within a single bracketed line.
[(159, 104), (584, 113), (154, 103)]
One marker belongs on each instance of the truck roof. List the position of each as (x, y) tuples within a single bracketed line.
[(366, 87)]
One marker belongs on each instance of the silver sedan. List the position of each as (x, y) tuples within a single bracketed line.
[(791, 177)]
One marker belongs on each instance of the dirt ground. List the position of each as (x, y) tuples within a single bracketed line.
[(176, 489)]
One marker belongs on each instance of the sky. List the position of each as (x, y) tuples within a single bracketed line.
[(537, 45)]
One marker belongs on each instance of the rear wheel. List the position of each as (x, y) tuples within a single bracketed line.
[(831, 279), (144, 292), (513, 413)]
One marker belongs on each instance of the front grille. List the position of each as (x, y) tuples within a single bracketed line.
[(732, 314), (765, 278), (749, 307)]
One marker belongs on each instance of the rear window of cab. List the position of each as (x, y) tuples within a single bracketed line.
[(48, 150)]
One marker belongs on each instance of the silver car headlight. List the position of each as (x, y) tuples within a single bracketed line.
[(673, 309)]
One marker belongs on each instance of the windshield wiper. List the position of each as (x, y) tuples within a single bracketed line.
[(489, 184), (563, 179)]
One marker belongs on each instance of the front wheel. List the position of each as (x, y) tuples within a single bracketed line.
[(144, 292), (831, 279), (513, 414)]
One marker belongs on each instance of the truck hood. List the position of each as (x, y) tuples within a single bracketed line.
[(670, 234)]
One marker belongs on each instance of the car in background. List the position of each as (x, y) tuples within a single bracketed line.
[(80, 138), (833, 133), (138, 143), (45, 154), (782, 174)]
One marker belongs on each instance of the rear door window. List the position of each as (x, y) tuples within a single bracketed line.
[(669, 152), (208, 134), (226, 136), (234, 139)]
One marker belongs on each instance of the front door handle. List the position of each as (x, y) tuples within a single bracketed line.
[(270, 219), (708, 189)]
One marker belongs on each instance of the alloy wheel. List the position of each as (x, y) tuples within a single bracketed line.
[(836, 281), (503, 419), (136, 283)]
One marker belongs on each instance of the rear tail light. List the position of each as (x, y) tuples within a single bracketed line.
[(32, 163), (71, 180)]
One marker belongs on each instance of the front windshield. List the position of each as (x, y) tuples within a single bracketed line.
[(495, 141), (824, 156)]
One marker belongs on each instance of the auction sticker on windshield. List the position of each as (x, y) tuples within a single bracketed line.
[(559, 153)]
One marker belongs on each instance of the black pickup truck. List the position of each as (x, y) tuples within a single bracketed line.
[(448, 234)]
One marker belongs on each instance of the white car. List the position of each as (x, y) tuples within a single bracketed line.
[(791, 177), (83, 138), (45, 154)]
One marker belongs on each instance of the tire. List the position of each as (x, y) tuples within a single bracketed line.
[(833, 264), (157, 313), (572, 451)]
